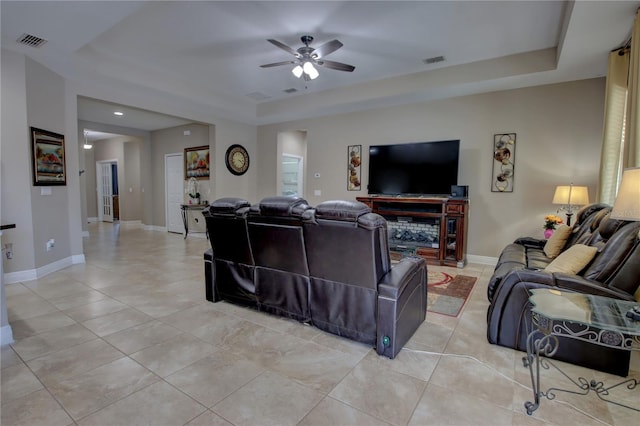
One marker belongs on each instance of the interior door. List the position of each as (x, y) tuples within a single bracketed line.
[(174, 188), (105, 191)]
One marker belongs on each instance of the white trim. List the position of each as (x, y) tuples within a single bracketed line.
[(131, 222), (154, 228), (483, 260), (20, 276), (32, 274), (166, 184), (6, 335), (85, 234), (92, 219)]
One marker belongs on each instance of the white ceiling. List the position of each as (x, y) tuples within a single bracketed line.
[(209, 53)]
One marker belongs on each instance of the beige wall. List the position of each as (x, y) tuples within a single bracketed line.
[(559, 133)]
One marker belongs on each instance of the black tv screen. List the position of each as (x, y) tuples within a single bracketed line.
[(420, 168)]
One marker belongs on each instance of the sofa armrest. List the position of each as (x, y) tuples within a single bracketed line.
[(582, 285), (530, 242), (401, 274), (402, 305)]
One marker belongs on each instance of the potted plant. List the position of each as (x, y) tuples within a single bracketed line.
[(550, 222)]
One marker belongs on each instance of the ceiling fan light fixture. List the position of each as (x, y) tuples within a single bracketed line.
[(310, 70), (297, 71)]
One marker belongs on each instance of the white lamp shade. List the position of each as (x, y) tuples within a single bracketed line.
[(627, 204), (297, 71), (310, 70), (571, 195)]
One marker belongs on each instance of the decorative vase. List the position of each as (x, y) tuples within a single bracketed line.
[(548, 233)]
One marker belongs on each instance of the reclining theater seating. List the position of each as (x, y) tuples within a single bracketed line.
[(613, 272), (327, 266), (233, 263), (281, 275), (354, 291)]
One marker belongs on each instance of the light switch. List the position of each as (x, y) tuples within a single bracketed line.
[(130, 189), (45, 190), (317, 192)]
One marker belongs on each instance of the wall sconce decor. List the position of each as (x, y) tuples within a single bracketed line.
[(504, 158)]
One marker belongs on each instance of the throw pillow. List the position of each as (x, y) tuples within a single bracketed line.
[(556, 241), (572, 260)]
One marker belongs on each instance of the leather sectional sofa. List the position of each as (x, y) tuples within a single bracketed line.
[(327, 266), (613, 272)]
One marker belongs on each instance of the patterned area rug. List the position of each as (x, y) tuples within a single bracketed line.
[(447, 294)]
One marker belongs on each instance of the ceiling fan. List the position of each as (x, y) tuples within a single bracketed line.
[(306, 57)]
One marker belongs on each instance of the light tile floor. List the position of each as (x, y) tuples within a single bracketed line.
[(128, 338)]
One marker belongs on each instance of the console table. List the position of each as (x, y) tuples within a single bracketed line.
[(185, 209), (596, 319), (446, 218)]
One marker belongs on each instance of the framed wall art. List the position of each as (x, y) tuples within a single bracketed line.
[(504, 157), (353, 165), (47, 148), (196, 162)]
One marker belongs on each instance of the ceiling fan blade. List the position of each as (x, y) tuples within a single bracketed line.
[(328, 47), (277, 64), (336, 65), (282, 46)]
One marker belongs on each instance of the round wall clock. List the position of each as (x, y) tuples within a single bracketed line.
[(237, 159)]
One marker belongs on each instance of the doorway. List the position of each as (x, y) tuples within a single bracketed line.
[(290, 167), (108, 197), (292, 175), (174, 187)]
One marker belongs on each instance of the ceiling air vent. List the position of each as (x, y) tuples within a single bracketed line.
[(433, 60), (291, 90), (31, 40), (257, 96)]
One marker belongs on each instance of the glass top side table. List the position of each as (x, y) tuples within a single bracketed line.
[(601, 321)]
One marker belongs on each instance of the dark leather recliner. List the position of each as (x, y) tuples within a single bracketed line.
[(233, 263), (281, 274), (614, 272), (354, 292)]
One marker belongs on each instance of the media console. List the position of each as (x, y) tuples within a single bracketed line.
[(431, 227)]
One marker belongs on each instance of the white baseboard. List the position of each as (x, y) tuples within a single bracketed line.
[(483, 260), (154, 228), (32, 274), (6, 335), (92, 219), (131, 222)]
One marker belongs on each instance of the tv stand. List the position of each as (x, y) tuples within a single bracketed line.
[(431, 227)]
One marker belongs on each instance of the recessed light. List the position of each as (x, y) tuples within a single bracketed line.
[(118, 113)]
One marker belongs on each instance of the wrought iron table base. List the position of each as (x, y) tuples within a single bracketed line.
[(546, 346)]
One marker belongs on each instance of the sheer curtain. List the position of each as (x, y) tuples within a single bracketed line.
[(621, 138)]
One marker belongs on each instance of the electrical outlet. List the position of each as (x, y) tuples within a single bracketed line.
[(51, 244), (9, 250)]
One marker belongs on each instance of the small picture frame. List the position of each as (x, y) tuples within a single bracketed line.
[(48, 164), (354, 161), (196, 163), (504, 159)]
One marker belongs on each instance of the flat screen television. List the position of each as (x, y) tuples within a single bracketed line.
[(419, 168)]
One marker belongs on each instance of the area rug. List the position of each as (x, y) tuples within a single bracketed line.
[(447, 294)]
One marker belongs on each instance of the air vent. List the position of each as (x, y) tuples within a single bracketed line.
[(291, 90), (257, 96), (433, 60), (31, 40)]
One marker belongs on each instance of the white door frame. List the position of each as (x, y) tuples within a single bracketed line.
[(166, 185), (99, 187)]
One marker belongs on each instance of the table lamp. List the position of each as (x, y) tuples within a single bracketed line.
[(571, 197), (627, 203)]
